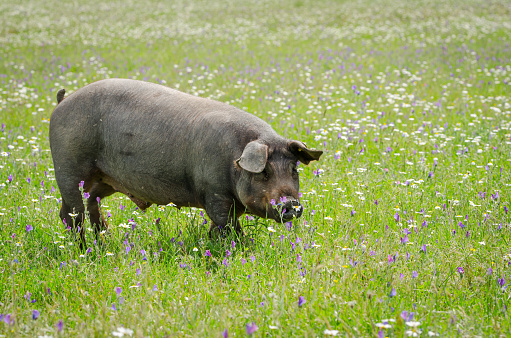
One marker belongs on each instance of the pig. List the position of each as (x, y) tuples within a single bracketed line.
[(158, 146)]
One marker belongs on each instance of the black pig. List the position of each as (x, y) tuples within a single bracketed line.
[(159, 145)]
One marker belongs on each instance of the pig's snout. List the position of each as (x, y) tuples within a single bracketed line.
[(291, 209)]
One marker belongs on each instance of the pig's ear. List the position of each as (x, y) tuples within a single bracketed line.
[(254, 157), (302, 153)]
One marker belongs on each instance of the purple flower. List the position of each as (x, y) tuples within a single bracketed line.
[(396, 216), (298, 258), (404, 240), (207, 253), (113, 307), (376, 202), (252, 258), (35, 314), (29, 228), (233, 244), (80, 185), (251, 329), (501, 282), (9, 178), (86, 195), (461, 225), (8, 319), (225, 334), (490, 271), (228, 253), (138, 272), (60, 325), (393, 293), (353, 212), (460, 270), (301, 301), (415, 274), (224, 262), (243, 261), (118, 290), (424, 248), (505, 209)]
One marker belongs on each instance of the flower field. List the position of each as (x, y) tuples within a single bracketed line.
[(406, 229)]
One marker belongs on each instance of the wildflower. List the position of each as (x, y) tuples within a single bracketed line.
[(29, 228), (251, 329), (35, 314), (301, 301), (353, 212), (424, 248), (114, 308), (396, 216), (461, 271), (207, 253), (414, 330), (225, 334), (393, 293), (86, 195), (228, 253), (121, 331), (331, 332), (118, 290), (60, 324), (415, 274)]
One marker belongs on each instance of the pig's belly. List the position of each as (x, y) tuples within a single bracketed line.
[(154, 190)]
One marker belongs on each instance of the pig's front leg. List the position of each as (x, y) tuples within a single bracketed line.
[(224, 216)]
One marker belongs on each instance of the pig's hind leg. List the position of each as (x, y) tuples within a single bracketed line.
[(72, 209), (98, 191)]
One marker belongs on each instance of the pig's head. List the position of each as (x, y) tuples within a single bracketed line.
[(268, 183)]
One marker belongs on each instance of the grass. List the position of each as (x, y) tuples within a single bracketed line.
[(409, 101)]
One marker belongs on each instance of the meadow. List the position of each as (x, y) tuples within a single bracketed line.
[(406, 229)]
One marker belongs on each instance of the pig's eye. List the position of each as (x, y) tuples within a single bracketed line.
[(295, 171)]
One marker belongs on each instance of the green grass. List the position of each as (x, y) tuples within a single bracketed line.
[(385, 88)]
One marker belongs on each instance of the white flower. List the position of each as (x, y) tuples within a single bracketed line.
[(412, 333), (270, 229), (272, 327), (195, 249), (122, 331), (384, 325), (413, 324), (330, 332), (109, 254)]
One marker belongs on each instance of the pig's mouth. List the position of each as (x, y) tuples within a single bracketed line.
[(285, 212)]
